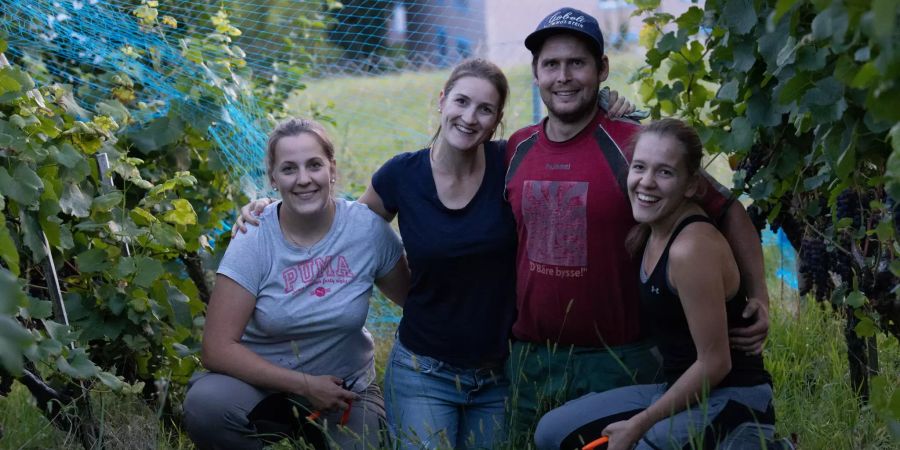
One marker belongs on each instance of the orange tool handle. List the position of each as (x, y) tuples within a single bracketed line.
[(595, 443), (346, 417), (315, 415)]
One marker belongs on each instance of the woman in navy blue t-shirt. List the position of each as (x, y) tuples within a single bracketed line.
[(444, 383)]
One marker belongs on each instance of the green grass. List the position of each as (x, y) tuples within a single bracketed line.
[(806, 353)]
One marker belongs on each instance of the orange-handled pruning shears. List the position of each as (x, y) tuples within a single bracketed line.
[(596, 443), (346, 416)]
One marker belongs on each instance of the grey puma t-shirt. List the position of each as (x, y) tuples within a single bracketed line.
[(312, 303)]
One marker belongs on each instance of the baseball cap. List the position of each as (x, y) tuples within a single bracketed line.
[(566, 20)]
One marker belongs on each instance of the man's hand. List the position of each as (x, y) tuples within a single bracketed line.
[(752, 339), (619, 106), (249, 215)]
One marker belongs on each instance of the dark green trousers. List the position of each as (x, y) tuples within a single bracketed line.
[(544, 376)]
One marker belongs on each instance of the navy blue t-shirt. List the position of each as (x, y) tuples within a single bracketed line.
[(461, 303)]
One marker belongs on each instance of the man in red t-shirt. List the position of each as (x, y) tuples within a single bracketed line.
[(578, 327)]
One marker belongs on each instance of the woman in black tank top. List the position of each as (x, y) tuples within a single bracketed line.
[(690, 293)]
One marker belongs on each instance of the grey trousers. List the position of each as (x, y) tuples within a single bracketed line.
[(217, 411), (731, 418)]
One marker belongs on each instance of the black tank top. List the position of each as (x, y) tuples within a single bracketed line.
[(664, 320)]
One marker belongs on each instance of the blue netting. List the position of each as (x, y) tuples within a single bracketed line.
[(364, 37)]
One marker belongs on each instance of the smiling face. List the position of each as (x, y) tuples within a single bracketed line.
[(303, 173), (659, 180), (470, 111), (568, 77)]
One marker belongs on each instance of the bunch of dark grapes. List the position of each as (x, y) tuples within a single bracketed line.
[(788, 223), (758, 217), (814, 268), (752, 162), (842, 263), (848, 205)]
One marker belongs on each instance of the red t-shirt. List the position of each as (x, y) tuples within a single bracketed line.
[(576, 283)]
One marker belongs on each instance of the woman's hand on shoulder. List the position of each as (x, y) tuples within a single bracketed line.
[(250, 215), (325, 393)]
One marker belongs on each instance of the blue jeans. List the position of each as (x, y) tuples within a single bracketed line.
[(431, 404), (729, 418)]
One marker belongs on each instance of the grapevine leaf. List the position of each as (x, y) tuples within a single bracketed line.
[(762, 111), (690, 20), (24, 186), (884, 13), (59, 332), (13, 338), (93, 260), (770, 44), (67, 156), (142, 217), (115, 110), (74, 202), (831, 23), (647, 4), (8, 84), (856, 299), (110, 380), (166, 235), (739, 15), (159, 133), (783, 6), (125, 267), (13, 295), (794, 88), (728, 91), (33, 236), (743, 55), (77, 365), (865, 327), (37, 309), (107, 202), (180, 306), (865, 77), (741, 137), (148, 270), (183, 214), (885, 231), (8, 250)]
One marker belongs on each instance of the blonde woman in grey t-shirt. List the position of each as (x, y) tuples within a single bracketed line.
[(285, 323)]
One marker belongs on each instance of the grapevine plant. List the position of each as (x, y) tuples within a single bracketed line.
[(133, 247), (801, 96)]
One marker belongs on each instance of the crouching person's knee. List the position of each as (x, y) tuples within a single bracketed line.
[(215, 413), (550, 431)]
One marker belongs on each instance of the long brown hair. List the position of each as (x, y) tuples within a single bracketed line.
[(690, 142), (485, 70)]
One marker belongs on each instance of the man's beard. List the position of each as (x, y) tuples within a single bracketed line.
[(578, 115)]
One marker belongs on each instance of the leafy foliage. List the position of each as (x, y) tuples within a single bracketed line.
[(801, 96), (133, 246), (798, 94)]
